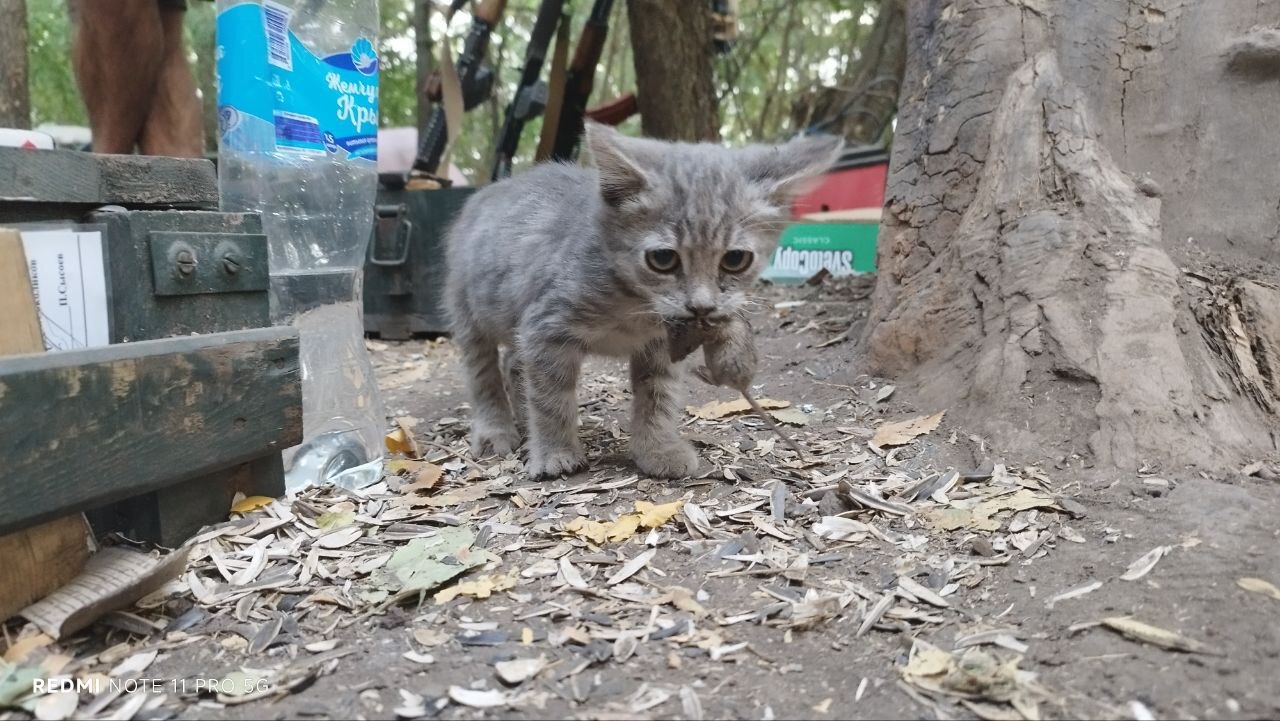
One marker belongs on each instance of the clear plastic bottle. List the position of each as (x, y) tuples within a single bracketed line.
[(298, 117)]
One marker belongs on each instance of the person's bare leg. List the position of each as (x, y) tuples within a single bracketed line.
[(174, 127), (117, 49)]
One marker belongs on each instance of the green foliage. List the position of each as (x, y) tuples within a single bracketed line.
[(784, 48), (54, 95)]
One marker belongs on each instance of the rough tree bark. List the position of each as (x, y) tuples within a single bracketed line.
[(1078, 250), (672, 46), (862, 105), (15, 100)]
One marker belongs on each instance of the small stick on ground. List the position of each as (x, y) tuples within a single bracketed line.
[(773, 426)]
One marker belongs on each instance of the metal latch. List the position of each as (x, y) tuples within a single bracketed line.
[(393, 232), (185, 263)]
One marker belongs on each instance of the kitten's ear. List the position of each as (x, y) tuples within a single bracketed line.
[(621, 177), (789, 170)]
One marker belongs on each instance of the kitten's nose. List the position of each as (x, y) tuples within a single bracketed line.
[(699, 310)]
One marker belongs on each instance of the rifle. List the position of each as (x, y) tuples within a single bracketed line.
[(436, 133), (580, 80), (613, 112), (531, 94)]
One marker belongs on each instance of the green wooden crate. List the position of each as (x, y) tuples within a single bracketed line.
[(405, 269), (807, 248)]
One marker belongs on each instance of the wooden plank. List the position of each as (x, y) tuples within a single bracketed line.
[(19, 320), (38, 560), (127, 419), (91, 179)]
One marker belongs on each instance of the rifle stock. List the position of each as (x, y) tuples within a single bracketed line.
[(435, 136)]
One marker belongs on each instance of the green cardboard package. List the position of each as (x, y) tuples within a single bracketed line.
[(842, 242)]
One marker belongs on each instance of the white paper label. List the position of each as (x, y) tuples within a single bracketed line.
[(69, 280)]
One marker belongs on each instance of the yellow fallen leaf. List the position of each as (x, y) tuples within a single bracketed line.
[(251, 503), (480, 587), (719, 409), (652, 516), (900, 432), (24, 646), (927, 660), (625, 527), (398, 441), (1258, 585), (526, 635), (593, 531), (600, 533)]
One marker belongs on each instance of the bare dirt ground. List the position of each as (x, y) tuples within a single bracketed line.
[(865, 581)]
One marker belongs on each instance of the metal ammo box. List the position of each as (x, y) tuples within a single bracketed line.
[(405, 271), (173, 266)]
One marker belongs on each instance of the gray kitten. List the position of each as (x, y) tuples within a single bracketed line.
[(563, 261)]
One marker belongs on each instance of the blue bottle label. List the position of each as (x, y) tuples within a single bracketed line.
[(274, 94)]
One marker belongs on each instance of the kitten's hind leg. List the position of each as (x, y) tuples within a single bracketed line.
[(656, 446), (493, 429), (550, 371)]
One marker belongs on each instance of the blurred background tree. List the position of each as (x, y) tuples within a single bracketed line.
[(792, 63)]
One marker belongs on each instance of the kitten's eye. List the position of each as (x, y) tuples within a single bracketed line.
[(736, 261), (663, 261)]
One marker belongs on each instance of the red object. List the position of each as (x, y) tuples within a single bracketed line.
[(845, 190), (28, 145), (857, 181), (614, 111)]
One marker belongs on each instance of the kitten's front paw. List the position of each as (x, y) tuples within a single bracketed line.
[(666, 457), (558, 462), (487, 440)]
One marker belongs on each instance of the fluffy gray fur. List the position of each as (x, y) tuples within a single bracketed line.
[(550, 266)]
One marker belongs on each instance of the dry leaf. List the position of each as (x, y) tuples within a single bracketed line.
[(426, 477), (429, 637), (1143, 565), (896, 434), (25, 645), (252, 503), (477, 699), (792, 416), (480, 587), (518, 670), (600, 533), (719, 409), (652, 516), (630, 568), (1139, 631), (56, 706), (1074, 593), (340, 538), (457, 496), (401, 441), (1258, 585), (571, 575)]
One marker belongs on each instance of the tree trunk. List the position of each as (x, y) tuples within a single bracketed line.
[(1078, 251), (862, 106), (15, 99), (672, 46), (425, 58)]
